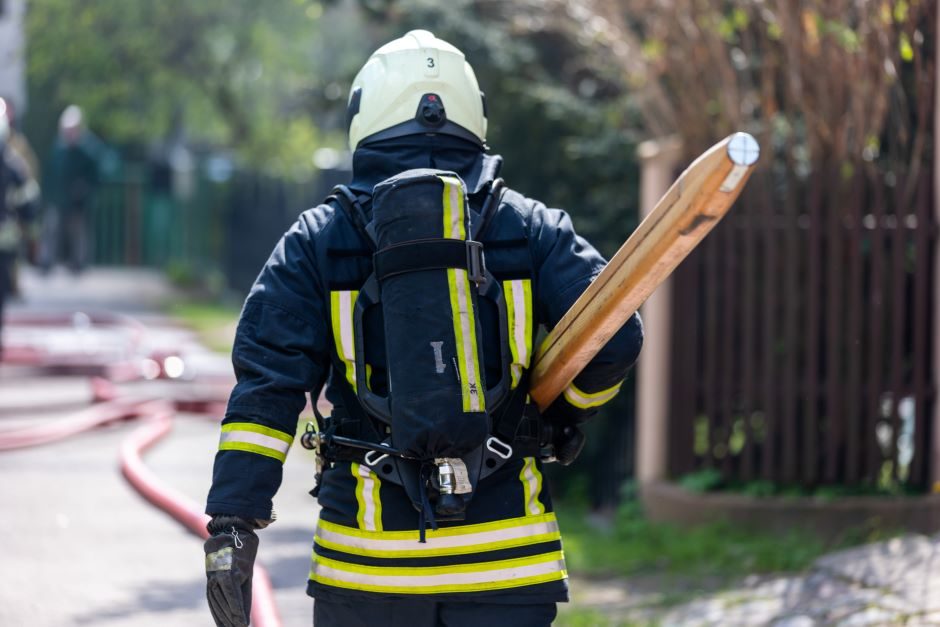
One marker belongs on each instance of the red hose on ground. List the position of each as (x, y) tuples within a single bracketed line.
[(94, 416), (263, 608)]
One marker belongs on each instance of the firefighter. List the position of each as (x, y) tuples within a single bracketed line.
[(415, 104), (19, 194)]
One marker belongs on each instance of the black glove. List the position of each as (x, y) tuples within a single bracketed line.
[(230, 559), (562, 431)]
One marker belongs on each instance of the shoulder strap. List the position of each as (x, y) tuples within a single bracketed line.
[(493, 198), (351, 204)]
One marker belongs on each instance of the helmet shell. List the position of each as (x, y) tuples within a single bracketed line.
[(389, 95)]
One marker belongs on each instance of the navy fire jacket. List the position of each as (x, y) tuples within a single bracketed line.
[(295, 335)]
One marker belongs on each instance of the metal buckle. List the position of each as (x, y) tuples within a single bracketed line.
[(494, 443), (372, 462), (475, 265)]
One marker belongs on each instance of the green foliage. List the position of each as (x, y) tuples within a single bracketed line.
[(228, 72), (635, 545), (711, 480)]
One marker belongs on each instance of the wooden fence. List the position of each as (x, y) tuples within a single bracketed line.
[(802, 336)]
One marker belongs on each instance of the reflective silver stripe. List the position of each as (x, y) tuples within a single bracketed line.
[(479, 576), (532, 486), (468, 331), (456, 207), (342, 305), (257, 439), (369, 516), (519, 313), (521, 306), (586, 400), (352, 540)]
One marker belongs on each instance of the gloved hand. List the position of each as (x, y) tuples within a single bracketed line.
[(230, 559), (562, 432)]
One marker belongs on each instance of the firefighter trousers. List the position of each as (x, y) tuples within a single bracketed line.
[(428, 613)]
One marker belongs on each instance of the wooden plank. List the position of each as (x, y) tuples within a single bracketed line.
[(810, 448), (729, 296), (874, 380), (899, 322), (750, 262), (780, 439), (854, 409), (690, 209), (923, 234), (835, 327)]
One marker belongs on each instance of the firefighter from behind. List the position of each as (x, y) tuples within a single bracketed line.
[(414, 295)]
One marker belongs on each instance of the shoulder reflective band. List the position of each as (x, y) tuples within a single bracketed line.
[(461, 303), (481, 576), (369, 516), (518, 295), (342, 304), (585, 400), (531, 479), (504, 534), (251, 438)]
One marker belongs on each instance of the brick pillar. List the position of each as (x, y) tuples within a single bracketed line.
[(658, 159)]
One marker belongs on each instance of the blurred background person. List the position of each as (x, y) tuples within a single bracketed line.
[(19, 194), (22, 149), (72, 178)]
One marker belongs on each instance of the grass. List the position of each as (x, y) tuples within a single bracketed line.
[(633, 545), (214, 323), (576, 617)]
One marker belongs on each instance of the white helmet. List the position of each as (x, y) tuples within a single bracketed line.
[(415, 84)]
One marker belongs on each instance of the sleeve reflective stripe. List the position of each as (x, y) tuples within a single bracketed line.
[(252, 438), (516, 532), (461, 303), (369, 516), (531, 479), (494, 575), (518, 295), (342, 304), (586, 400)]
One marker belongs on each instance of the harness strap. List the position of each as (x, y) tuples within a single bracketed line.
[(430, 254)]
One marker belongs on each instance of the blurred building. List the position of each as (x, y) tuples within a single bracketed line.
[(13, 52)]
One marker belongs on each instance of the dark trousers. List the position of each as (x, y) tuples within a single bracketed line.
[(423, 613)]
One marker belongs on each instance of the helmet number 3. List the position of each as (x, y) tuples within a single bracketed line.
[(431, 62)]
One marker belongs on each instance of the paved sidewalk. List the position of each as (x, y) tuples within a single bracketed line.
[(81, 547)]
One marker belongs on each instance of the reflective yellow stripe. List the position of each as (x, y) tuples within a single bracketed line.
[(369, 516), (524, 531), (442, 532), (252, 438), (246, 447), (461, 303), (518, 296), (342, 306), (585, 400), (531, 479), (492, 575), (526, 540), (554, 574)]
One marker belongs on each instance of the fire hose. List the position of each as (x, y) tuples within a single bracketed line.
[(157, 420)]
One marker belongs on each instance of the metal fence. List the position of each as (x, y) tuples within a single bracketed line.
[(802, 337), (223, 229)]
